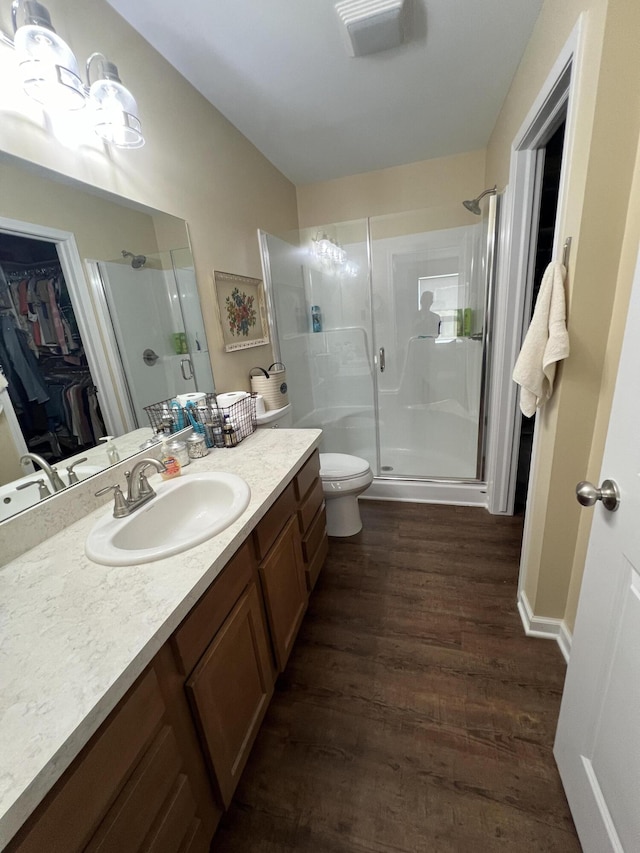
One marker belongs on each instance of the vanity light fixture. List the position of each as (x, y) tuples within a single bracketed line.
[(48, 68), (115, 112), (50, 75)]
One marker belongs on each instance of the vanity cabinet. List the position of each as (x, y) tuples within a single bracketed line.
[(281, 570), (285, 591), (162, 768), (230, 691), (312, 518), (138, 784), (223, 651)]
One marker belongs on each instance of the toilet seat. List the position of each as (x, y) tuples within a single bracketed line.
[(342, 466)]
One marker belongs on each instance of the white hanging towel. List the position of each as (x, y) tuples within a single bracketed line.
[(545, 344)]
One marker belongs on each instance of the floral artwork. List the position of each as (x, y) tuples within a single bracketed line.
[(240, 312)]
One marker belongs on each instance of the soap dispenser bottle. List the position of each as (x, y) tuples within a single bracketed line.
[(112, 451)]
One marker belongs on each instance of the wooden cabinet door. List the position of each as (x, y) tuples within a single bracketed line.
[(285, 590), (230, 690)]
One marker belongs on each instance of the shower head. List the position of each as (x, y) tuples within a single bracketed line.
[(474, 204), (137, 261)]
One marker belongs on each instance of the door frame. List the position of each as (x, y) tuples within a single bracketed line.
[(104, 322), (554, 103), (101, 358)]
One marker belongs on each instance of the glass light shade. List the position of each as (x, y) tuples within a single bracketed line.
[(115, 114), (49, 70)]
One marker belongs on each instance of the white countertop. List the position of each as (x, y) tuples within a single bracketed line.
[(75, 635)]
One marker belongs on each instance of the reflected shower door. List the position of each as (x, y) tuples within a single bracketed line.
[(429, 284), (160, 353)]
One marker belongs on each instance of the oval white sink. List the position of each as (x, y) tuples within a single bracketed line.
[(185, 512)]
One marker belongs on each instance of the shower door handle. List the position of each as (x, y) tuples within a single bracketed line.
[(381, 360), (184, 361)]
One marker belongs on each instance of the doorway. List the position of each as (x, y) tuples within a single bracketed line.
[(50, 384), (546, 202)]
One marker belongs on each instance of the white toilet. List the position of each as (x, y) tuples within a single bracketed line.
[(344, 477)]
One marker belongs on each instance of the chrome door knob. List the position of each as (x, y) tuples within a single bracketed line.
[(608, 493)]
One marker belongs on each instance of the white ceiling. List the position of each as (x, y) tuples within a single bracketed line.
[(279, 71)]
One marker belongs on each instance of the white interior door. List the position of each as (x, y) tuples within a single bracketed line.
[(598, 739)]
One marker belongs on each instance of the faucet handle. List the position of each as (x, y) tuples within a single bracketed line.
[(144, 489), (73, 477), (56, 480), (43, 491), (120, 508)]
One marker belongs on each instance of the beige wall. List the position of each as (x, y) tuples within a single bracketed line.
[(602, 157), (195, 164), (442, 182), (101, 227)]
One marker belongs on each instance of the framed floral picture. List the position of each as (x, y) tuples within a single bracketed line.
[(242, 311)]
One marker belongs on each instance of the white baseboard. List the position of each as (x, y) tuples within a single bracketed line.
[(544, 626)]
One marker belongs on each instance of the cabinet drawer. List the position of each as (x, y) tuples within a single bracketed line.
[(194, 635), (268, 529), (307, 474), (313, 568), (71, 813), (315, 534), (168, 834), (310, 506), (141, 800)]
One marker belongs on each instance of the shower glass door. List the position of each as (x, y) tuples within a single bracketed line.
[(393, 367), (329, 363), (429, 286)]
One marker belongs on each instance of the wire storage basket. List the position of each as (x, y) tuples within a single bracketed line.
[(168, 416)]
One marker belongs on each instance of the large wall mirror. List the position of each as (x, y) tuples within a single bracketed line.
[(99, 317)]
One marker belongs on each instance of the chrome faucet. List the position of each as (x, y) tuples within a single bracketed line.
[(139, 491), (52, 473)]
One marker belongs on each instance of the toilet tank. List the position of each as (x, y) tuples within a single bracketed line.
[(275, 418)]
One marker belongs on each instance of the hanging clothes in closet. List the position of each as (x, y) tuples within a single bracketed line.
[(41, 353)]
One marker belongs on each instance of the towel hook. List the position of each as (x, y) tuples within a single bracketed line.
[(566, 249)]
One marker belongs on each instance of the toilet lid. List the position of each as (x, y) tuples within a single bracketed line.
[(342, 466)]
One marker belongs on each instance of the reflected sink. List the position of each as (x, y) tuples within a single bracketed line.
[(185, 512)]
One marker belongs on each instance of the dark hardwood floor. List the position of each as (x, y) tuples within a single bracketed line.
[(414, 714)]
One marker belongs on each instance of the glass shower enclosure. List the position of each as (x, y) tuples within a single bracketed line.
[(384, 327)]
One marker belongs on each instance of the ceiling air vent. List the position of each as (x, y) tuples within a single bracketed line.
[(371, 26)]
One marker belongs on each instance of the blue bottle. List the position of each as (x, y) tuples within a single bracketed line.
[(316, 321)]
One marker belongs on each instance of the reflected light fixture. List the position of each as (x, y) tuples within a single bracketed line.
[(50, 75), (332, 257)]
